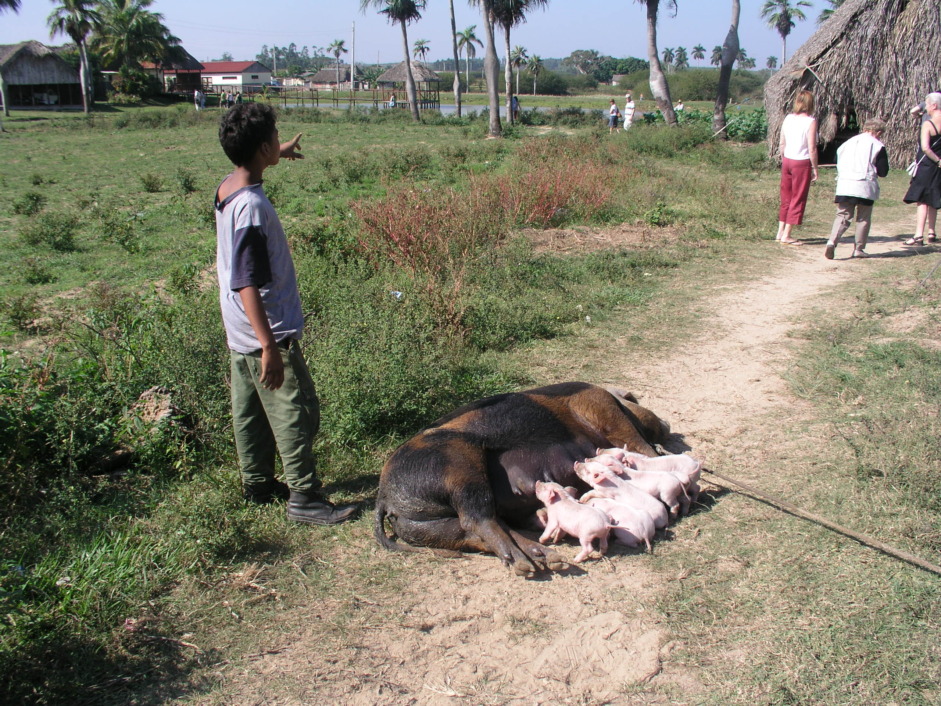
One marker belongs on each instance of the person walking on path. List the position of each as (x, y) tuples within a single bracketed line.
[(274, 402), (925, 186), (860, 162), (798, 146), (613, 115), (629, 108)]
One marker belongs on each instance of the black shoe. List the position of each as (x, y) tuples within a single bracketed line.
[(314, 509), (266, 493)]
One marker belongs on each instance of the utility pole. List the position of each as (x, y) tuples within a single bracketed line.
[(353, 60)]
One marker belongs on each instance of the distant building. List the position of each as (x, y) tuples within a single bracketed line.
[(238, 75), (326, 78), (33, 75), (180, 76)]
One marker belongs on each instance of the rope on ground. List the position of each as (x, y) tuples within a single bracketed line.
[(861, 538)]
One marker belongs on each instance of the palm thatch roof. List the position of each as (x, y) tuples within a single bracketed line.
[(328, 74), (30, 48), (181, 61), (420, 72), (871, 59)]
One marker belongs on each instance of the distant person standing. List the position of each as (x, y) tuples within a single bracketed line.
[(515, 107), (613, 115), (198, 99), (860, 162), (392, 101), (679, 106), (798, 146), (629, 108), (925, 186)]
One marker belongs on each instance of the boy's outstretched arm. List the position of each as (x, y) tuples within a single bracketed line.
[(272, 367), (292, 149)]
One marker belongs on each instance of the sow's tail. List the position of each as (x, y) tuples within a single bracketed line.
[(389, 543), (379, 527)]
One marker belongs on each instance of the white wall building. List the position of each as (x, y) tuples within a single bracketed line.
[(235, 75)]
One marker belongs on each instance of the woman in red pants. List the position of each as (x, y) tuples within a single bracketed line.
[(798, 164)]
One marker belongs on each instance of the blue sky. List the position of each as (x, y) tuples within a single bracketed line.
[(613, 27)]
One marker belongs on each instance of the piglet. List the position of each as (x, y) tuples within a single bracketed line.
[(564, 515), (631, 525), (607, 484), (687, 468), (666, 487)]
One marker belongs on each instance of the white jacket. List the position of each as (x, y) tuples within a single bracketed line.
[(856, 167)]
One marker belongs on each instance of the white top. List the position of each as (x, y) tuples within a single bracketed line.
[(629, 110), (794, 131), (856, 167)]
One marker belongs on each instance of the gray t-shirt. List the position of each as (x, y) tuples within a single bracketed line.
[(251, 249)]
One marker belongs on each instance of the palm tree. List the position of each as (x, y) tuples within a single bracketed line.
[(420, 49), (337, 47), (518, 57), (466, 41), (716, 57), (658, 82), (826, 13), (491, 68), (781, 15), (401, 12), (727, 55), (772, 62), (77, 18), (10, 5), (699, 52), (129, 33), (681, 60), (508, 14), (457, 63), (668, 56), (534, 66), (747, 63)]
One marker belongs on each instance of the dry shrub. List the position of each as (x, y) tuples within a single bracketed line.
[(550, 194), (437, 234)]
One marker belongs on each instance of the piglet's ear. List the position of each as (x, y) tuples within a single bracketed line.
[(553, 494)]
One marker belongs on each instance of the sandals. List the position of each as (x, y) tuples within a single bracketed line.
[(915, 240), (828, 253), (859, 253), (932, 238)]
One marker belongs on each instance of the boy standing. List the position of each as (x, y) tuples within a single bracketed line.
[(274, 402)]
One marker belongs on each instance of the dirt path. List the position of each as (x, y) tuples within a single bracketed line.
[(471, 632)]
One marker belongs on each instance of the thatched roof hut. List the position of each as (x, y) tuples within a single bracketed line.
[(420, 72), (872, 58), (34, 75)]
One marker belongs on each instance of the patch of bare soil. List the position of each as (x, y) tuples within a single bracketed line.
[(587, 239), (469, 631)]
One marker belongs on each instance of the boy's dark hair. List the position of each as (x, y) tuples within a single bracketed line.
[(244, 128)]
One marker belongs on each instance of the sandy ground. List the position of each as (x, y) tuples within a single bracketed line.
[(469, 631)]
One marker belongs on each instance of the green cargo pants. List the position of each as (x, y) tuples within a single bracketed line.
[(286, 419)]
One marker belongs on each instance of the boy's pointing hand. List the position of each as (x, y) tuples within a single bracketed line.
[(292, 149)]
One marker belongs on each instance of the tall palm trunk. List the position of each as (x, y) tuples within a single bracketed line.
[(783, 48), (457, 64), (4, 97), (658, 82), (84, 75), (729, 52), (409, 79), (508, 77), (491, 72)]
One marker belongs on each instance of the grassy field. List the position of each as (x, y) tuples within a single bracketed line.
[(108, 229)]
